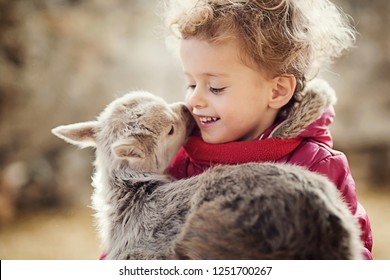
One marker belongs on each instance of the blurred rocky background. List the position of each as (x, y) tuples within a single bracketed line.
[(62, 61)]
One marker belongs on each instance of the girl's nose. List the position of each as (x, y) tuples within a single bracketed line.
[(196, 99)]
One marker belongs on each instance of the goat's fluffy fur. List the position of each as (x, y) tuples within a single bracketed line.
[(249, 211)]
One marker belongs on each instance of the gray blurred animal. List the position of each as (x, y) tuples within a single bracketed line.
[(249, 211)]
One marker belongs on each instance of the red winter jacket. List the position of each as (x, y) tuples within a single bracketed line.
[(312, 149)]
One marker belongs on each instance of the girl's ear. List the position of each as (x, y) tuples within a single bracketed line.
[(80, 134), (283, 91)]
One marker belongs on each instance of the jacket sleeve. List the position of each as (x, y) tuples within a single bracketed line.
[(336, 168)]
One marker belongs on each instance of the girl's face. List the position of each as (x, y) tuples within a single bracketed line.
[(229, 100)]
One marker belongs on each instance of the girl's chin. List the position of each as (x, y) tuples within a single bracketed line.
[(215, 135), (209, 139)]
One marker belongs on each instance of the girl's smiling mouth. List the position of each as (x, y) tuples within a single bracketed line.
[(205, 121)]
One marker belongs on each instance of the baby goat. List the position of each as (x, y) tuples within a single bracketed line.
[(249, 211)]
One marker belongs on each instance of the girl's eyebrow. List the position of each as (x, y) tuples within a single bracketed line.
[(216, 74), (222, 75)]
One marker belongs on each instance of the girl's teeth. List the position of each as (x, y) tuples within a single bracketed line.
[(208, 119)]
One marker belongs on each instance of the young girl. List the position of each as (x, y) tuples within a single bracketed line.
[(247, 63)]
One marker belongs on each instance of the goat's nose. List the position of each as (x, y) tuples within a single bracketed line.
[(185, 109), (186, 112)]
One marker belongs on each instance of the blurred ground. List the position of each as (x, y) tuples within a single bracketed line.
[(66, 234)]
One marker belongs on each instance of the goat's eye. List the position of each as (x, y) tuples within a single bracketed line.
[(171, 131)]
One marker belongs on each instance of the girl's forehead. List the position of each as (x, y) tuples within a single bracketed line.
[(213, 58), (203, 51)]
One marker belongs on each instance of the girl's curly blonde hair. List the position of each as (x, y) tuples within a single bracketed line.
[(281, 36)]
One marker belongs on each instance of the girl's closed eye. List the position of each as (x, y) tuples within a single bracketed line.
[(217, 90)]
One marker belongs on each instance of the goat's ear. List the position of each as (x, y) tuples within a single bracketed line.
[(80, 134), (129, 148)]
